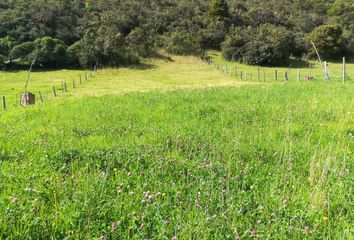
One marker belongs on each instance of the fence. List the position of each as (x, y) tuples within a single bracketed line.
[(53, 91), (261, 74)]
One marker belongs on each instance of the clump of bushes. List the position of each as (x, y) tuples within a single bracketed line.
[(265, 45), (182, 42)]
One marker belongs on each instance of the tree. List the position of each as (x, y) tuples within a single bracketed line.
[(328, 40), (51, 52), (21, 53), (214, 35), (266, 45), (6, 44), (219, 10), (182, 42)]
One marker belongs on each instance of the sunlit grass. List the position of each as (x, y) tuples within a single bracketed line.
[(272, 160)]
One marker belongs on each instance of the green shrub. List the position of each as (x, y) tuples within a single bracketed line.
[(265, 45), (21, 53), (329, 42), (214, 35), (182, 42), (51, 52), (6, 44)]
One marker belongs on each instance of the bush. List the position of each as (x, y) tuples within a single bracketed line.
[(73, 54), (182, 42), (214, 35), (266, 45), (6, 44), (51, 52), (329, 42), (21, 53), (2, 60)]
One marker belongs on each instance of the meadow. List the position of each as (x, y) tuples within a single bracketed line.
[(156, 74), (131, 154)]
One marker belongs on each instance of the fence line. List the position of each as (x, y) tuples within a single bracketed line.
[(54, 88), (241, 75)]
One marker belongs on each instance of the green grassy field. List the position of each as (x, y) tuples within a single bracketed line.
[(180, 73), (267, 161)]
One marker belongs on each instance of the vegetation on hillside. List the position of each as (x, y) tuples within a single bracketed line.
[(116, 32)]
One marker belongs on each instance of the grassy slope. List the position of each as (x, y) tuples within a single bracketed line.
[(223, 160), (183, 72), (316, 71)]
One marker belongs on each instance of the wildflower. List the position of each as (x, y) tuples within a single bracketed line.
[(306, 229), (102, 237), (13, 199), (340, 174), (132, 193), (325, 218), (163, 194), (142, 225), (259, 221), (174, 238), (114, 226), (165, 222), (285, 202), (254, 233), (237, 238), (155, 204)]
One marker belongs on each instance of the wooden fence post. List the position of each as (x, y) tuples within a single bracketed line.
[(80, 79), (276, 75), (344, 71), (65, 88), (326, 77), (54, 92), (3, 103), (74, 83), (298, 75), (241, 75), (286, 76), (259, 75)]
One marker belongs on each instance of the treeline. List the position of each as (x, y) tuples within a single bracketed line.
[(82, 33)]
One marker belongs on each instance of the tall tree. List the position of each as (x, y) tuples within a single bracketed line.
[(219, 10)]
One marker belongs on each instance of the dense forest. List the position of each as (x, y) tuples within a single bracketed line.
[(82, 33)]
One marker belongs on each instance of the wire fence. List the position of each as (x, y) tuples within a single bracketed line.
[(265, 74), (44, 95)]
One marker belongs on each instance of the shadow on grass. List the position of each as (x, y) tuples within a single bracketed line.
[(141, 66)]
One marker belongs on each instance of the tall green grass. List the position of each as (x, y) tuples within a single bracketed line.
[(273, 161)]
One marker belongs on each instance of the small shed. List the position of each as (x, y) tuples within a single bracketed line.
[(28, 99)]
